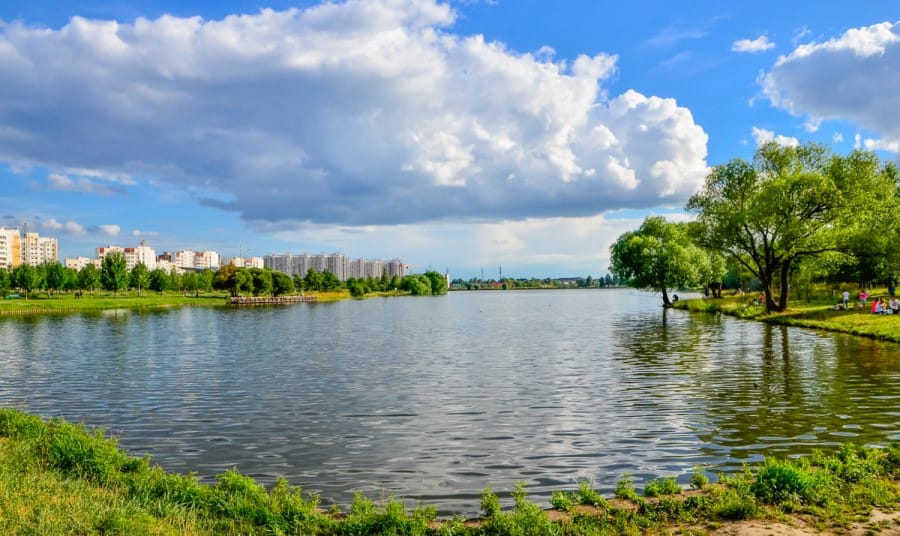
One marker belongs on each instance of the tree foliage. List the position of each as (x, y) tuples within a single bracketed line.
[(140, 277), (89, 278), (790, 203), (114, 272), (659, 255)]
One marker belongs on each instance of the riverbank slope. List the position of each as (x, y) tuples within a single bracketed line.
[(815, 314), (60, 478)]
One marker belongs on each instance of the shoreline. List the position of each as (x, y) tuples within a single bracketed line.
[(55, 475), (819, 315)]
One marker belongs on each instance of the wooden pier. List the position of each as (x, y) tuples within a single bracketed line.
[(270, 300)]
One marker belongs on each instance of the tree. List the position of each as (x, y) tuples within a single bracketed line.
[(659, 255), (191, 282), (5, 282), (89, 278), (54, 276), (27, 278), (313, 280), (232, 279), (437, 282), (159, 280), (176, 281), (281, 284), (260, 280), (788, 204), (140, 277), (204, 281), (114, 272)]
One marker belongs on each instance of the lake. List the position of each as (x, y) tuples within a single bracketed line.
[(435, 399)]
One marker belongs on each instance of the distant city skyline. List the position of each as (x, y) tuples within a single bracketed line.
[(461, 135)]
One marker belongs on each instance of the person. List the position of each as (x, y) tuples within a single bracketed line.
[(674, 298), (761, 299), (845, 299), (894, 305), (863, 298), (877, 306)]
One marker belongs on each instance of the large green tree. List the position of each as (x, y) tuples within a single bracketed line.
[(659, 255), (790, 203), (140, 278), (114, 272), (27, 278), (89, 278), (281, 283), (159, 280), (54, 276)]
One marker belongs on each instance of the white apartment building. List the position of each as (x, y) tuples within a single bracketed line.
[(196, 260), (10, 247), (142, 254), (336, 263), (80, 262), (37, 249), (248, 262)]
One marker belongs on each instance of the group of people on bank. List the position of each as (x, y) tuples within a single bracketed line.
[(879, 306)]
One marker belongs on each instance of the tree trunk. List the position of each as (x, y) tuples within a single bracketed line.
[(785, 286), (666, 302)]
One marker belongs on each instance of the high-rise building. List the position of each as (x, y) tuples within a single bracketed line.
[(39, 249), (142, 254), (10, 247), (336, 263)]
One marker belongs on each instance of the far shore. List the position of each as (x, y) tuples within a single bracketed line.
[(39, 303)]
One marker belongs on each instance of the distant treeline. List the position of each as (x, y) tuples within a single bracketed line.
[(114, 276), (522, 283)]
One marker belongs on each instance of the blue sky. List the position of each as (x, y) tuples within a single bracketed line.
[(458, 136)]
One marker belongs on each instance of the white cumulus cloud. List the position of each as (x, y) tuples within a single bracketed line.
[(69, 227), (762, 136), (854, 77), (753, 46), (352, 113)]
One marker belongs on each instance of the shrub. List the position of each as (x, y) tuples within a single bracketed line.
[(662, 486), (625, 488)]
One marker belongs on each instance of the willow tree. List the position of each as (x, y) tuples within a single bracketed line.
[(659, 255), (789, 204)]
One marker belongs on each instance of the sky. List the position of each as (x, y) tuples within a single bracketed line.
[(459, 135)]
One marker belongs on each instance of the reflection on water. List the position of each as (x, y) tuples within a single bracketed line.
[(439, 398)]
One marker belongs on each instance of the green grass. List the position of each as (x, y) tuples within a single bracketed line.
[(100, 300), (61, 478), (819, 313)]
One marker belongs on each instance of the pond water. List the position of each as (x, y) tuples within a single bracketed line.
[(435, 399)]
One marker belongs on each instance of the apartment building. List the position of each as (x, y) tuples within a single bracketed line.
[(336, 263), (142, 254), (195, 260), (10, 247)]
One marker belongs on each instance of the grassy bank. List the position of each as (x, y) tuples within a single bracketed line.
[(817, 314), (60, 478)]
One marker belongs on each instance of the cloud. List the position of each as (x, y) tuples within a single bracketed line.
[(354, 113), (760, 44), (109, 229), (860, 71), (762, 136), (58, 181), (882, 145), (837, 137), (69, 227), (144, 234)]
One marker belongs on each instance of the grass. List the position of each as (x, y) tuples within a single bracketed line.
[(61, 478), (819, 313)]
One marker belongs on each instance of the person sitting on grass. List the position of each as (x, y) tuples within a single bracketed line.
[(894, 305), (877, 306)]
